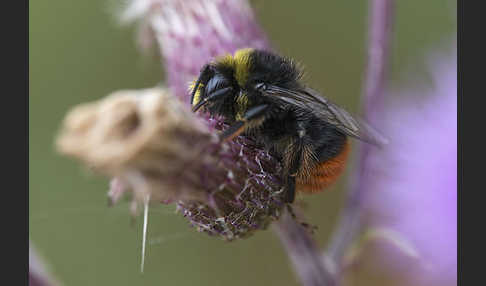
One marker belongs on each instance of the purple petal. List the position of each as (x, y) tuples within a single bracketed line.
[(413, 181)]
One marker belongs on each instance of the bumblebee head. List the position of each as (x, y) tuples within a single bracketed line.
[(216, 94), (220, 83)]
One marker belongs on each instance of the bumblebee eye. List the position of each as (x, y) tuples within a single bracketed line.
[(260, 86)]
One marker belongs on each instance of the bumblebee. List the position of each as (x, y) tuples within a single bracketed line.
[(260, 94)]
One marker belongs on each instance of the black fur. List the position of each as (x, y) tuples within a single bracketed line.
[(283, 123), (269, 68)]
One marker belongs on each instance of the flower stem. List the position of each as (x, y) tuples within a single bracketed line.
[(380, 28), (309, 265)]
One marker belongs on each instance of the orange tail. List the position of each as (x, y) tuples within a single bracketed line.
[(325, 173)]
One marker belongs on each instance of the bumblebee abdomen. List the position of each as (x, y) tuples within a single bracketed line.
[(324, 174)]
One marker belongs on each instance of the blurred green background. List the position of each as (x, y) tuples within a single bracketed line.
[(79, 53)]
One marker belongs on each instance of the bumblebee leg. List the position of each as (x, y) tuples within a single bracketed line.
[(290, 185), (239, 126), (204, 76), (290, 180), (234, 130), (212, 96), (293, 168)]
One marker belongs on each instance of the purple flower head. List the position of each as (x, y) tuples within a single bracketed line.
[(413, 181), (190, 33), (153, 145)]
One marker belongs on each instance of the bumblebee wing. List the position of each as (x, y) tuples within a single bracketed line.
[(310, 99)]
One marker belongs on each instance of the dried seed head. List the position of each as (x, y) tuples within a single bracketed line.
[(137, 136)]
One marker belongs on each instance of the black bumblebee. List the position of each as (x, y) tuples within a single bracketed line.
[(259, 93)]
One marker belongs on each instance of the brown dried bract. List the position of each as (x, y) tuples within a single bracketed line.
[(145, 138)]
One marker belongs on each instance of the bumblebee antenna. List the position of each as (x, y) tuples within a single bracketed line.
[(216, 94)]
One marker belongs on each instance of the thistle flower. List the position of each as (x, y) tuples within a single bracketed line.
[(246, 181), (190, 33), (156, 147), (414, 181)]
